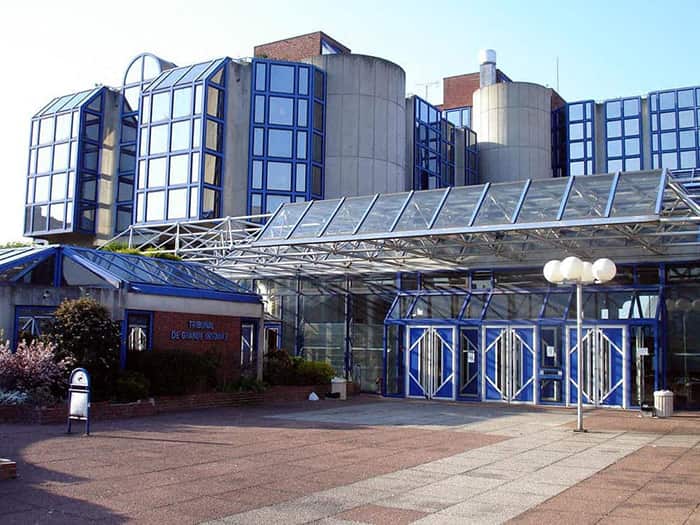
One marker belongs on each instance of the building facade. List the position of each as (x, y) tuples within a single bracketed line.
[(400, 241)]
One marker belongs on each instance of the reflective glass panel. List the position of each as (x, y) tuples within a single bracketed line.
[(212, 169), (198, 99), (274, 201), (382, 215), (196, 133), (180, 136), (156, 172), (258, 141), (635, 194), (301, 144), (686, 119), (316, 180), (178, 169), (60, 156), (195, 167), (42, 189), (284, 221), (177, 204), (315, 219), (420, 210), (500, 203), (632, 165), (63, 123), (614, 148), (668, 141), (58, 186), (155, 206), (318, 84), (159, 139), (160, 109), (459, 207), (669, 161), (46, 130), (260, 77), (588, 197), (281, 111), (182, 102), (318, 116), (279, 143), (317, 148), (215, 102), (259, 113), (301, 178), (40, 217), (56, 215), (542, 201), (194, 201), (687, 159), (632, 147), (614, 129), (687, 139), (631, 107), (279, 176), (575, 131), (43, 163), (257, 174), (667, 100), (303, 81), (685, 99), (302, 112), (613, 109), (281, 78), (632, 126), (668, 120), (214, 135), (575, 111)]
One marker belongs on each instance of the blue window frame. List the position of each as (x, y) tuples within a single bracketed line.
[(140, 72), (64, 164), (460, 117), (580, 137), (433, 146), (182, 125), (287, 135), (675, 128), (623, 134)]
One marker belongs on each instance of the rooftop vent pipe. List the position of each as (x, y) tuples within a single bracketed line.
[(487, 67)]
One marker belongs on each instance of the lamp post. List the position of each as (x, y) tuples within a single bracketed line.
[(573, 270)]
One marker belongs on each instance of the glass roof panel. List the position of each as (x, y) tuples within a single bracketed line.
[(383, 213), (636, 194), (67, 102), (213, 66), (193, 73), (500, 203), (459, 207), (588, 197), (285, 219), (543, 200), (173, 78), (349, 215), (315, 219), (12, 258), (420, 210)]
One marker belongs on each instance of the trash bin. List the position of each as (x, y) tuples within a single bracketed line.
[(663, 403), (339, 386)]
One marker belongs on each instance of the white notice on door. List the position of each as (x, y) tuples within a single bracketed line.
[(551, 351), (642, 351), (471, 356)]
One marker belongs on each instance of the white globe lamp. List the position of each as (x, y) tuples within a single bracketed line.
[(587, 276), (604, 270), (571, 269), (552, 272)]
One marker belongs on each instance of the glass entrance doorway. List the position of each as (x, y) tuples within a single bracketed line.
[(430, 362), (509, 364), (604, 375)]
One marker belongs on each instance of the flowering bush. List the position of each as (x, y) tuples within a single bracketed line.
[(32, 368)]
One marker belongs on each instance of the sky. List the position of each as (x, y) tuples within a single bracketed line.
[(605, 49)]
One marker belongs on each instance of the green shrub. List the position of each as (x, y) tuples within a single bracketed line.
[(244, 384), (132, 386), (175, 372), (83, 332), (123, 248), (282, 369)]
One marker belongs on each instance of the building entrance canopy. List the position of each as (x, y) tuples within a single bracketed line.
[(629, 217)]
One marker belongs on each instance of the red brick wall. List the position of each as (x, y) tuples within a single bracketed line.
[(296, 48), (457, 91), (201, 333)]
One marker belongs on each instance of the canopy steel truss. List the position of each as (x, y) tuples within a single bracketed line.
[(629, 217)]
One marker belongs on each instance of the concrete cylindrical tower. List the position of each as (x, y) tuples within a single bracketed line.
[(365, 125), (513, 124)]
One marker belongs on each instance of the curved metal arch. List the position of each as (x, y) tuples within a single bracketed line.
[(164, 65)]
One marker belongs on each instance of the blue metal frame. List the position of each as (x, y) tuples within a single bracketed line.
[(624, 112), (585, 163), (77, 208), (23, 310), (433, 147), (674, 155), (299, 159), (196, 154)]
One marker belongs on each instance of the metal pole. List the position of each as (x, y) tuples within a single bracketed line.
[(579, 356)]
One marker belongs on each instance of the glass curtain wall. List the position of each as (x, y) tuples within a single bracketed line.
[(63, 171), (623, 134), (434, 147), (140, 72), (181, 144), (580, 138), (287, 135), (675, 128)]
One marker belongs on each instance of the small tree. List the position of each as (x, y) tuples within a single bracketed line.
[(83, 332)]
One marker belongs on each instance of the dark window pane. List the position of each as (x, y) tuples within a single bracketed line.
[(318, 116), (318, 84), (210, 203), (316, 180), (90, 154), (88, 189), (317, 148)]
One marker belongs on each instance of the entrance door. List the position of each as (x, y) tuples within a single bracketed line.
[(509, 364), (430, 362), (603, 374), (469, 363)]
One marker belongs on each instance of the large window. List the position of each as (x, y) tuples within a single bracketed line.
[(675, 128), (581, 153), (623, 134), (287, 137), (460, 117), (434, 147), (179, 173), (63, 171)]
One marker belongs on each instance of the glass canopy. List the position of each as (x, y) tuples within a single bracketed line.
[(508, 205), (67, 102), (184, 75)]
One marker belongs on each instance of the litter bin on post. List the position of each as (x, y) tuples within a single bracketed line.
[(663, 403), (339, 386)]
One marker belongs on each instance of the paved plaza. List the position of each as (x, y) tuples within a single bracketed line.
[(364, 461)]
